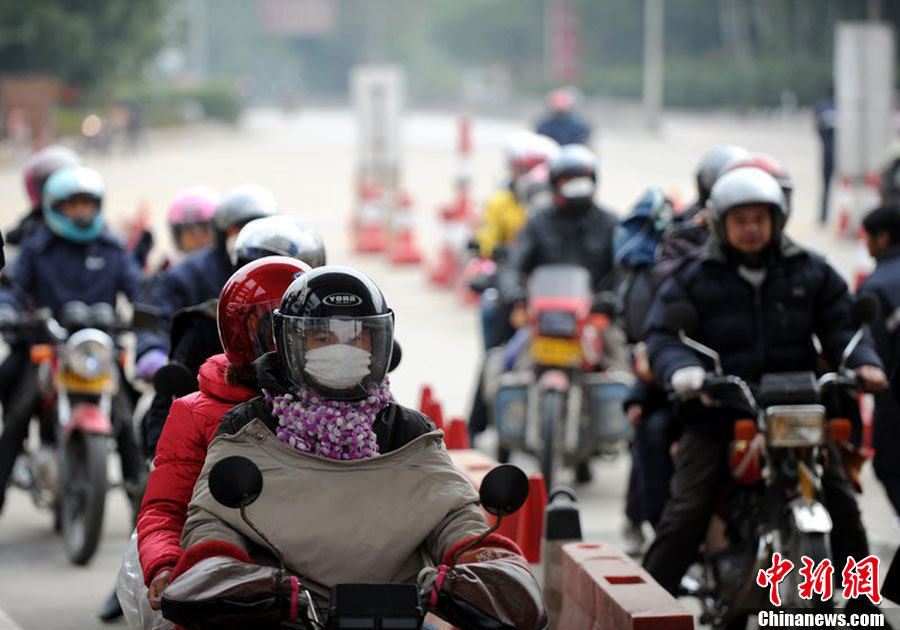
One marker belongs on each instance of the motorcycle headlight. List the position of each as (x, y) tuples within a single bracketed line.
[(557, 324), (89, 354), (795, 425)]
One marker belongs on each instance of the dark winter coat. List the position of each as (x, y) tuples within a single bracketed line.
[(51, 271), (561, 237), (756, 331), (197, 278)]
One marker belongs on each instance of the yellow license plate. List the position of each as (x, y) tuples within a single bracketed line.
[(78, 385), (557, 352)]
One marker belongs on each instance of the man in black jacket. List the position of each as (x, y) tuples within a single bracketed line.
[(760, 298), (882, 227), (575, 230)]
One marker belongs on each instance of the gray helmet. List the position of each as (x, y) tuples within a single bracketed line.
[(240, 206), (279, 235), (745, 186), (711, 165)]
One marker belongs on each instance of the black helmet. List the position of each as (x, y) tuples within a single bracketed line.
[(711, 165), (279, 235), (577, 165), (745, 186), (334, 333), (241, 205)]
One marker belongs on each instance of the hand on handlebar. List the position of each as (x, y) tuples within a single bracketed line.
[(688, 381), (872, 379)]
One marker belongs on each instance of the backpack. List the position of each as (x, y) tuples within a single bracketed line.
[(635, 242)]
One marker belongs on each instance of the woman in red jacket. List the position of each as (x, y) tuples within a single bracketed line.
[(244, 317)]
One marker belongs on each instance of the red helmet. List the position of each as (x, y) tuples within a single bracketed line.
[(246, 304)]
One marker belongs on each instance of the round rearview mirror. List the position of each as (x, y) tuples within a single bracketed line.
[(504, 490), (235, 482), (865, 309), (681, 316)]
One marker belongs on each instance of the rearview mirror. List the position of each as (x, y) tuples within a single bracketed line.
[(235, 482), (504, 490), (865, 309), (174, 379), (144, 317), (681, 316)]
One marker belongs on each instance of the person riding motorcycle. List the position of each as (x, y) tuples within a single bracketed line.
[(326, 435), (69, 258), (200, 276), (194, 335), (575, 230), (38, 169), (245, 329), (504, 213), (563, 123), (190, 218), (760, 298)]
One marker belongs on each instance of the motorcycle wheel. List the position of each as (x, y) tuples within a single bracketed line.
[(551, 420), (84, 496)]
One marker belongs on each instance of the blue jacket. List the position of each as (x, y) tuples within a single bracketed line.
[(565, 128), (51, 271), (197, 278), (884, 282)]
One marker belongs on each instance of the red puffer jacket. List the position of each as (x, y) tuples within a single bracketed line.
[(189, 429)]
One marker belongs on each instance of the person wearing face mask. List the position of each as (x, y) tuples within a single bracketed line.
[(328, 436), (244, 315), (760, 299), (574, 230), (194, 335), (201, 275)]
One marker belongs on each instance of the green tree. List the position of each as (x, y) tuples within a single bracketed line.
[(82, 42)]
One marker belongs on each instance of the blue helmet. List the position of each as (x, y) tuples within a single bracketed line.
[(68, 182)]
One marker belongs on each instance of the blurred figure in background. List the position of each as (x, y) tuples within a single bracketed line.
[(38, 170), (826, 121), (882, 228), (563, 123)]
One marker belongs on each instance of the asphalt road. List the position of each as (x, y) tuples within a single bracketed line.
[(308, 161)]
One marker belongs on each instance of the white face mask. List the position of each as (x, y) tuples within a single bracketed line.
[(577, 188), (338, 366)]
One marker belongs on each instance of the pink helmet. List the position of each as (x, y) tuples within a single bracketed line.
[(196, 204), (42, 165), (561, 100)]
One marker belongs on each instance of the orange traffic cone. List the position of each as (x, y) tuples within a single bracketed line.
[(425, 398), (368, 231), (457, 434), (404, 250), (434, 412), (531, 519)]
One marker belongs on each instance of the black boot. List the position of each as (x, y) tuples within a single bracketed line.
[(111, 609)]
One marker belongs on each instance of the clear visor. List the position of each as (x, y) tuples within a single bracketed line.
[(338, 357)]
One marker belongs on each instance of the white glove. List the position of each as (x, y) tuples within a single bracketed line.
[(688, 380)]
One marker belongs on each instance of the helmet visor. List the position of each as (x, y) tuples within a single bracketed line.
[(338, 357)]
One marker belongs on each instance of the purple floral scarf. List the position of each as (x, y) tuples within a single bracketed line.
[(337, 429)]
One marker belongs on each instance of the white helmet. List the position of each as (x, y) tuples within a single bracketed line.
[(745, 186)]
